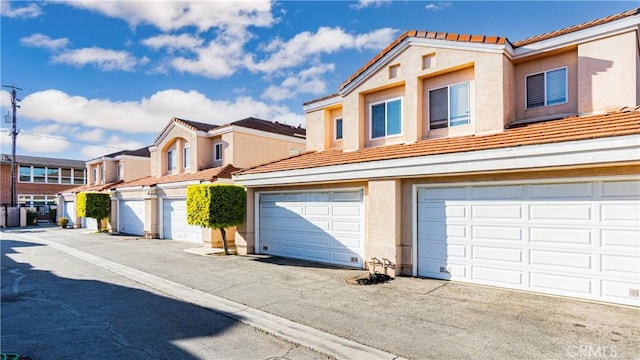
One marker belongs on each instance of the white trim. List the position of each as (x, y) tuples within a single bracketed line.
[(386, 101), (448, 87), (256, 222), (335, 100), (250, 131), (580, 152), (416, 187), (180, 184), (545, 72), (215, 151), (160, 217)]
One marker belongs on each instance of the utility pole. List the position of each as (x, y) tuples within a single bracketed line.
[(14, 134)]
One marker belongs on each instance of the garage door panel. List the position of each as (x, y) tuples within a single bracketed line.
[(561, 191), (560, 236), (174, 222), (325, 226), (561, 283), (498, 212), (561, 212), (567, 260), (131, 217), (579, 239), (496, 276), (494, 233), (499, 254), (626, 240)]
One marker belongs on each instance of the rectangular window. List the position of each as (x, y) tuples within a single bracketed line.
[(449, 106), (103, 176), (24, 200), (186, 157), (386, 118), (79, 176), (24, 173), (53, 175), (119, 170), (39, 174), (65, 176), (546, 88), (172, 160), (338, 129), (95, 174), (217, 152)]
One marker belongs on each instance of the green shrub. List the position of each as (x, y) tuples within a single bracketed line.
[(63, 222), (93, 205), (32, 217), (216, 206)]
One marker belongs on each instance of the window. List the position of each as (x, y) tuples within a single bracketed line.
[(95, 174), (338, 129), (24, 173), (217, 152), (386, 118), (449, 106), (172, 160), (53, 175), (39, 174), (79, 176), (186, 157), (120, 169), (546, 88), (65, 176), (103, 177)]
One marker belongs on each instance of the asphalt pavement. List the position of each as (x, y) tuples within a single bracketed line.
[(309, 305)]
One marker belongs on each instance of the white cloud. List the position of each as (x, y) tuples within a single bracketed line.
[(148, 115), (94, 135), (114, 143), (438, 6), (306, 44), (104, 59), (30, 11), (307, 81), (173, 42), (219, 59), (32, 142), (173, 15), (370, 3), (44, 41)]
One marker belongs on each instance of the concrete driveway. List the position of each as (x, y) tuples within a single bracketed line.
[(413, 318)]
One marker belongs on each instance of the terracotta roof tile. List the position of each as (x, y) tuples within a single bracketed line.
[(573, 128), (270, 126), (574, 28), (94, 187), (210, 174)]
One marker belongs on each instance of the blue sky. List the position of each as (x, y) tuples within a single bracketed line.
[(101, 76)]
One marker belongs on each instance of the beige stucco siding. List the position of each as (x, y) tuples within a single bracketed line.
[(567, 59), (135, 168), (606, 72), (315, 130), (250, 150)]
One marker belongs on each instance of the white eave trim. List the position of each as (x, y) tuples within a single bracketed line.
[(581, 152), (335, 100), (250, 131), (581, 36)]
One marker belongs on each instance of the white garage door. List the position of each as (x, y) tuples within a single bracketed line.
[(320, 226), (577, 239), (174, 222), (131, 217), (69, 211)]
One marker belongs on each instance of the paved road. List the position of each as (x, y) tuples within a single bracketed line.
[(57, 307), (412, 318)]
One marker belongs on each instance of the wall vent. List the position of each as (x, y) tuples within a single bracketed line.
[(634, 292)]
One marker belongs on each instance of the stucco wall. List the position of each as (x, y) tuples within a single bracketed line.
[(315, 130), (250, 150), (136, 168), (606, 72), (568, 59)]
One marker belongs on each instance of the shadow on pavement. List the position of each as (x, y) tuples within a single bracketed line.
[(48, 316)]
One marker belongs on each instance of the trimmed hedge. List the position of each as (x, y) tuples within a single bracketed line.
[(93, 205), (215, 206)]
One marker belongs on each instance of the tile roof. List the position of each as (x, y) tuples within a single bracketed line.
[(142, 152), (574, 28), (194, 125), (43, 161), (210, 174), (480, 39), (95, 187), (269, 126), (624, 122)]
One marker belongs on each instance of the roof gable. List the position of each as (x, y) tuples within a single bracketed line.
[(192, 126)]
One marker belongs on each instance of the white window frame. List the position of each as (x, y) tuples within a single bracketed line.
[(566, 88), (172, 160), (120, 170), (30, 173), (216, 152), (335, 128), (448, 87), (95, 174), (386, 135), (103, 173), (186, 157)]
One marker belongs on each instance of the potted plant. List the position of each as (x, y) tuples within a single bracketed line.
[(63, 222)]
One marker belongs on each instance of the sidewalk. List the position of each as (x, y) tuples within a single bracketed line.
[(412, 318)]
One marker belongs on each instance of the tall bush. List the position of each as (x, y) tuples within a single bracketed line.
[(216, 206), (94, 205)]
